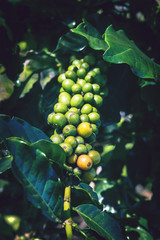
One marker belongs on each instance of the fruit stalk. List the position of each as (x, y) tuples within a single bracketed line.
[(68, 221)]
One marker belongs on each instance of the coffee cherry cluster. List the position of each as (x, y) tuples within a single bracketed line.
[(75, 116)]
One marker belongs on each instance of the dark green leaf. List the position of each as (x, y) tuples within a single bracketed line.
[(84, 192), (93, 36), (143, 233), (71, 41), (52, 151), (123, 50), (5, 163), (16, 127), (99, 221), (101, 186), (33, 170)]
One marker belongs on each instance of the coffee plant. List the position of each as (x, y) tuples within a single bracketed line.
[(79, 120)]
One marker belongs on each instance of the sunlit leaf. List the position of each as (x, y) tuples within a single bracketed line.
[(6, 87), (99, 221), (93, 36), (123, 50), (5, 163)]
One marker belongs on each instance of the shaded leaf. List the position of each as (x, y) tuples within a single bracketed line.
[(71, 41), (84, 192), (52, 151), (123, 50), (33, 170), (6, 87), (5, 163), (16, 127), (99, 221), (101, 186), (142, 232), (93, 36)]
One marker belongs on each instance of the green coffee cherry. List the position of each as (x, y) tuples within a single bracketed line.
[(84, 118), (71, 140), (71, 75), (88, 78), (59, 120), (96, 88), (81, 149), (76, 62), (89, 175), (60, 108), (73, 118), (80, 140), (56, 138), (89, 147), (50, 118), (81, 72), (98, 100), (90, 60), (87, 88), (81, 82), (85, 66), (89, 97), (77, 100), (86, 109), (69, 130), (72, 68), (67, 148), (94, 110), (67, 85), (61, 90), (74, 109), (61, 77), (95, 156), (76, 88), (65, 98), (95, 128), (94, 117), (97, 70)]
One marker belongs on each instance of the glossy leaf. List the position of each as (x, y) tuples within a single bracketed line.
[(123, 50), (71, 41), (142, 232), (33, 170), (99, 221), (101, 186), (16, 127), (93, 36)]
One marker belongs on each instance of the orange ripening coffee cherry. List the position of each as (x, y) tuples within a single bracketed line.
[(84, 162)]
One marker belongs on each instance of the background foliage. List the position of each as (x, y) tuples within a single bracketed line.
[(36, 44)]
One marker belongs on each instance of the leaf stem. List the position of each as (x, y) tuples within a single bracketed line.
[(67, 207)]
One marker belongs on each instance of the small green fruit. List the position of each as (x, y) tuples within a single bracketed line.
[(98, 101), (95, 156), (86, 109), (60, 108), (80, 140), (81, 72), (81, 149), (71, 140), (89, 97), (87, 88), (71, 75), (65, 98), (73, 118), (94, 117), (59, 120), (69, 130), (89, 175), (67, 85), (67, 148), (77, 100), (84, 118), (76, 88), (61, 77), (56, 138)]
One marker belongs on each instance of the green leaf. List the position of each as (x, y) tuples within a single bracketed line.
[(52, 151), (85, 193), (100, 221), (5, 163), (142, 232), (101, 186), (71, 41), (93, 36), (33, 170), (123, 50), (16, 127)]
